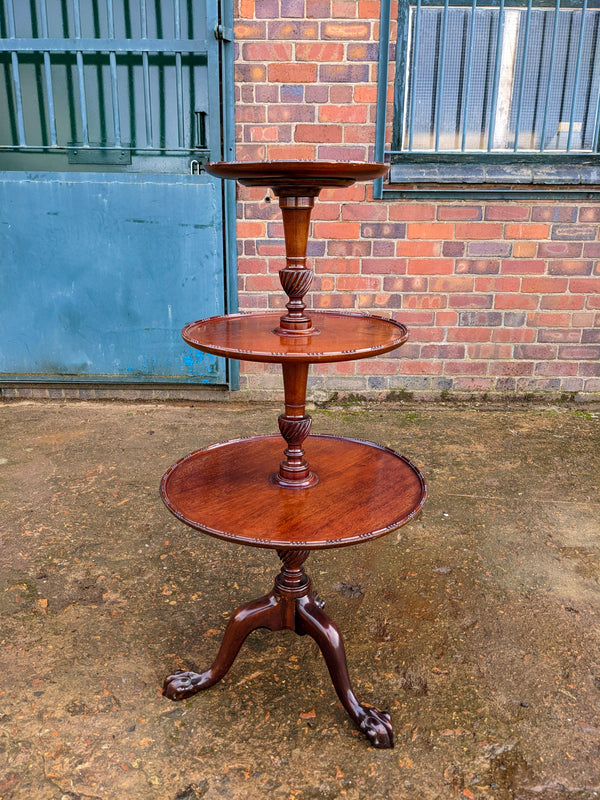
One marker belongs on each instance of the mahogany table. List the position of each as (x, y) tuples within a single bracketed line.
[(351, 490)]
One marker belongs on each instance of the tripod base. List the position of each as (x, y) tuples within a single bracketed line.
[(291, 605)]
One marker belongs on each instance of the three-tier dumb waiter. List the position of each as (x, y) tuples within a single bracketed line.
[(338, 492)]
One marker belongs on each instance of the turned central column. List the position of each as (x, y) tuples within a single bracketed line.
[(296, 279), (294, 425)]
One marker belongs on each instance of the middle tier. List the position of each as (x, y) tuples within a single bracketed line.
[(226, 490), (339, 336)]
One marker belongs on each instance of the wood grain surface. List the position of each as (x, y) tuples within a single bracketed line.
[(301, 173), (252, 337), (364, 491)]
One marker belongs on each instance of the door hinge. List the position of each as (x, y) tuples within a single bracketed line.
[(224, 34)]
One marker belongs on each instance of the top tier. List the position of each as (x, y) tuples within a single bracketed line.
[(297, 178), (296, 184)]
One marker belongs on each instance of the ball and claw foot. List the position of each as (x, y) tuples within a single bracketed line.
[(182, 684), (377, 727)]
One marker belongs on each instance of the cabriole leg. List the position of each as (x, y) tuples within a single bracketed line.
[(261, 613), (275, 611), (311, 620)]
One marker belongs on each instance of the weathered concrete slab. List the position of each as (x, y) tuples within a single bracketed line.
[(477, 626)]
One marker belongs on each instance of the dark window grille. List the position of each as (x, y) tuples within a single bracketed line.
[(499, 79), (500, 93), (109, 77)]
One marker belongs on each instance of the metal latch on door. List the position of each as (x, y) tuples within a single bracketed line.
[(201, 151)]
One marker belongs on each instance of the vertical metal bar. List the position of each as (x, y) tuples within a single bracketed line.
[(147, 99), (440, 83), (535, 106), (112, 58), (596, 137), (111, 19), (468, 77), (143, 19), (401, 73), (16, 75), (496, 75), (179, 78), (81, 78), (506, 84), (550, 73), (382, 86), (146, 73), (48, 76), (564, 101), (577, 73), (82, 102), (590, 84), (177, 18), (460, 84), (77, 18), (227, 87), (179, 92), (10, 14), (225, 50), (522, 77), (19, 98), (413, 72)]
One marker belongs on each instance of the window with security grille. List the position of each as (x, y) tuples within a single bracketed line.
[(498, 79), (507, 88), (102, 82)]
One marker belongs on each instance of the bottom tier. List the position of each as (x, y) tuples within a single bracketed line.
[(364, 491)]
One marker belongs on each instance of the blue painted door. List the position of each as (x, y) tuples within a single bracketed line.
[(109, 245)]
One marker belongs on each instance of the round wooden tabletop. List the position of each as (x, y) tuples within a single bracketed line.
[(338, 337), (301, 173), (364, 491)]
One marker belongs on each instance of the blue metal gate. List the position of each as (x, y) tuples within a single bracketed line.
[(109, 244)]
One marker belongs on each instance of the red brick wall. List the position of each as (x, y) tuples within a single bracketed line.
[(498, 296)]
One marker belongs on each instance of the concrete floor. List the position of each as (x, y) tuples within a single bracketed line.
[(477, 626)]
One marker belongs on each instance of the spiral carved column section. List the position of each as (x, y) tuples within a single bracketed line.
[(294, 470), (294, 425), (295, 277), (292, 579), (296, 283)]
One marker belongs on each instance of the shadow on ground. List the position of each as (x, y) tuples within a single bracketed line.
[(477, 625)]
